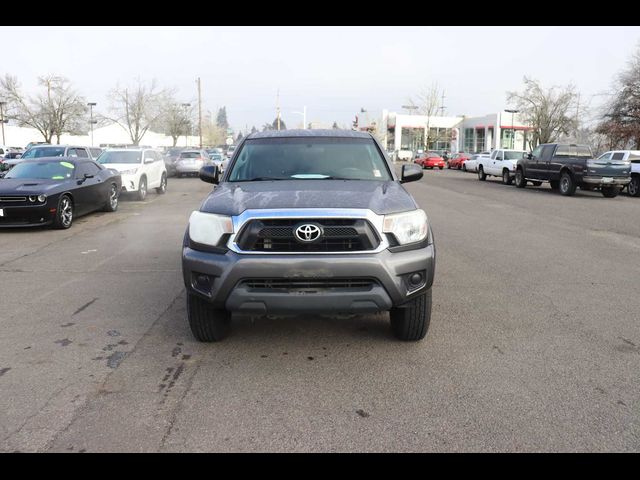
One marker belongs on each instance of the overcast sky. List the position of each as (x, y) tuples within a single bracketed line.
[(334, 71)]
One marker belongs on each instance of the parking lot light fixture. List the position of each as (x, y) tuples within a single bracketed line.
[(186, 124)]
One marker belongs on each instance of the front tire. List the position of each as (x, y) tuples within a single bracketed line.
[(634, 186), (162, 189), (521, 182), (411, 322), (112, 201), (141, 194), (207, 323), (506, 177), (481, 175), (64, 213), (567, 185)]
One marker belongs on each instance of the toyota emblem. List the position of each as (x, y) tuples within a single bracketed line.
[(307, 232)]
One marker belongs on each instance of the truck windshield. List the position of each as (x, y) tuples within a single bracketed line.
[(309, 158)]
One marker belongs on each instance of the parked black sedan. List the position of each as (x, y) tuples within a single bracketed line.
[(53, 191)]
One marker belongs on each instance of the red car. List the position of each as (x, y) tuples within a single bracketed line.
[(430, 160), (457, 161)]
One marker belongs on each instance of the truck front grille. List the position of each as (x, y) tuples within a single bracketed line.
[(277, 235)]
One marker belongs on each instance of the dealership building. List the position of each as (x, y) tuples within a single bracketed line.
[(405, 132)]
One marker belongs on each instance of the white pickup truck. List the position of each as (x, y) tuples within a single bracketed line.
[(500, 163)]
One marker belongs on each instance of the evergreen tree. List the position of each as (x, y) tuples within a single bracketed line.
[(254, 129), (221, 119), (274, 125), (239, 137), (335, 125)]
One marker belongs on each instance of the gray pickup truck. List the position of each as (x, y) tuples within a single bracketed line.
[(308, 221), (567, 166)]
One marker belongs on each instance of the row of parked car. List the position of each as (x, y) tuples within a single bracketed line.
[(564, 166), (53, 184)]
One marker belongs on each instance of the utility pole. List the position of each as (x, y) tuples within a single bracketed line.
[(199, 112), (2, 120), (577, 115), (278, 108)]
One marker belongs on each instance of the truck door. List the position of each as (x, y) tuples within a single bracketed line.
[(532, 164), (556, 159), (496, 165)]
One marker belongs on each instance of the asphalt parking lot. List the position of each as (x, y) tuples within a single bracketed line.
[(534, 342)]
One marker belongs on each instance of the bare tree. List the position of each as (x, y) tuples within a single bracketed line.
[(621, 120), (550, 112), (427, 102), (175, 119), (137, 109), (58, 110)]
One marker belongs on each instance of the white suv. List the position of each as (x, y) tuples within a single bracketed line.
[(140, 169)]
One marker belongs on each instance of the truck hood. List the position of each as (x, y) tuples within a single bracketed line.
[(25, 186), (380, 197)]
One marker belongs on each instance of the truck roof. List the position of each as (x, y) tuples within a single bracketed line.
[(309, 133)]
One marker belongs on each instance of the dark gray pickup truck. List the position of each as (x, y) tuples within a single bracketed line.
[(308, 221), (567, 166)]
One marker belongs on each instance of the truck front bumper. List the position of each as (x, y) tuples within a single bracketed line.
[(227, 280)]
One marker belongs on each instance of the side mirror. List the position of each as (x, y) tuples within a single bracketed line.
[(87, 175), (411, 173), (209, 174), (529, 156)]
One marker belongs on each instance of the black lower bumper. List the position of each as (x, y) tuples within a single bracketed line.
[(25, 216)]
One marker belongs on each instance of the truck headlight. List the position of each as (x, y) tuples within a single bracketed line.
[(208, 228), (407, 227)]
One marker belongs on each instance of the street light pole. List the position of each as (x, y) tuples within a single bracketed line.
[(304, 117), (91, 122), (186, 124), (513, 128), (2, 120)]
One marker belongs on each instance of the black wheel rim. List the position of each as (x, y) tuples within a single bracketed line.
[(633, 187), (564, 184)]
